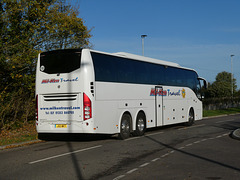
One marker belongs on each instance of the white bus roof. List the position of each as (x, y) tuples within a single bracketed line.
[(147, 59), (140, 58)]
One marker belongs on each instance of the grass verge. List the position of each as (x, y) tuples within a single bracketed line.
[(209, 113), (28, 132)]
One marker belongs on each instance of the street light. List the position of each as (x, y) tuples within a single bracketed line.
[(232, 74), (143, 36)]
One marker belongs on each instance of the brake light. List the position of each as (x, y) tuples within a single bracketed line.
[(37, 107), (87, 107)]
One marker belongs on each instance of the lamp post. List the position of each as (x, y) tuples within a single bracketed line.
[(143, 36), (232, 74)]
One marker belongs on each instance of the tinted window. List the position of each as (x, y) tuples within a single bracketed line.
[(142, 71), (116, 69), (157, 73), (60, 61), (105, 68)]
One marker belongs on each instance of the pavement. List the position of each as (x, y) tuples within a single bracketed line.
[(9, 146), (236, 134)]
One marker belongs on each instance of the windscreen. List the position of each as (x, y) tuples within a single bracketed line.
[(60, 61)]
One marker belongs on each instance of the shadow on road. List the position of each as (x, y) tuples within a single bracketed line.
[(74, 137), (193, 155)]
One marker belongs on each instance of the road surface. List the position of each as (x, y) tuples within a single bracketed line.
[(202, 151)]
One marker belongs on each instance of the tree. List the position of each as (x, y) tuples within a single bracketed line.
[(222, 86), (27, 28)]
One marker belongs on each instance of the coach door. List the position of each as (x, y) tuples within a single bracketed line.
[(159, 105)]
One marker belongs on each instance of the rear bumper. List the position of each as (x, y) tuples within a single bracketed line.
[(65, 127)]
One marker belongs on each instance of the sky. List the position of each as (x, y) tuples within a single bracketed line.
[(198, 34)]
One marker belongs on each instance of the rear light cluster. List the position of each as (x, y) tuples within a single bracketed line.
[(87, 107), (36, 107)]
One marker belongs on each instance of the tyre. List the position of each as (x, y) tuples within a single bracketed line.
[(125, 127), (140, 125), (190, 118)]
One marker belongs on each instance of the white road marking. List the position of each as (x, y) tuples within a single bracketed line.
[(181, 147), (64, 154), (164, 155), (131, 171), (155, 159), (119, 177), (143, 165)]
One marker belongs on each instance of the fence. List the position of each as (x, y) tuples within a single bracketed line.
[(221, 103)]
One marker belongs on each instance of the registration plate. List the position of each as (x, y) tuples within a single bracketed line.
[(60, 126)]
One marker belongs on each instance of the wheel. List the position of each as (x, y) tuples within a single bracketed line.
[(140, 124), (125, 127), (190, 118)]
